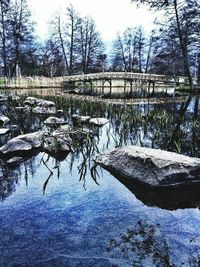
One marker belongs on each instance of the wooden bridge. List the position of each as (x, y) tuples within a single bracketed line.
[(130, 80), (119, 76)]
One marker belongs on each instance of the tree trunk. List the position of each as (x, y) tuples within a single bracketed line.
[(183, 47), (62, 44), (3, 37)]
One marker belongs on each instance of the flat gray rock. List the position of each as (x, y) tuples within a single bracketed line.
[(34, 101), (13, 97), (45, 103), (4, 119), (31, 101), (60, 111), (22, 144), (14, 160), (3, 98), (54, 121), (44, 110), (98, 121), (34, 139), (4, 131), (153, 167), (15, 145)]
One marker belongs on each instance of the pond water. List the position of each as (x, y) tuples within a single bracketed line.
[(67, 219)]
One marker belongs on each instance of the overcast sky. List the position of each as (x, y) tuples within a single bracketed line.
[(110, 16)]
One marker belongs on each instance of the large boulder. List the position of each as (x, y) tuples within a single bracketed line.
[(153, 167), (156, 177), (21, 145)]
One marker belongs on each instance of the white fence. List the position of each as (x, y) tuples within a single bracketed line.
[(29, 82)]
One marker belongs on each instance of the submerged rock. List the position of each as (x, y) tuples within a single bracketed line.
[(98, 121), (54, 121), (14, 128), (57, 145), (19, 109), (151, 167)]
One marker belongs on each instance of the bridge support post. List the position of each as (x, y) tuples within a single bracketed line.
[(84, 85), (124, 86), (91, 86), (153, 87), (102, 91), (110, 87), (131, 92)]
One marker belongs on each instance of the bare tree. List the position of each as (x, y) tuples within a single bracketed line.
[(4, 32), (128, 51), (79, 41), (90, 44)]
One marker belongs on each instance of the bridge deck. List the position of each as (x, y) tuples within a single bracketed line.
[(118, 76)]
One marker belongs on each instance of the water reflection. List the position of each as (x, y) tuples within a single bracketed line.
[(144, 125), (144, 243), (10, 176)]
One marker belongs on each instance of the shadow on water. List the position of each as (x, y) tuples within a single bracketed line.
[(167, 197)]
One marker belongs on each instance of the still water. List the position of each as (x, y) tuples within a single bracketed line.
[(60, 220)]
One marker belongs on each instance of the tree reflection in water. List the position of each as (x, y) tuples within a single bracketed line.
[(144, 243)]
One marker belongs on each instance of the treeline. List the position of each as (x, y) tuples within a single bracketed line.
[(74, 45)]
